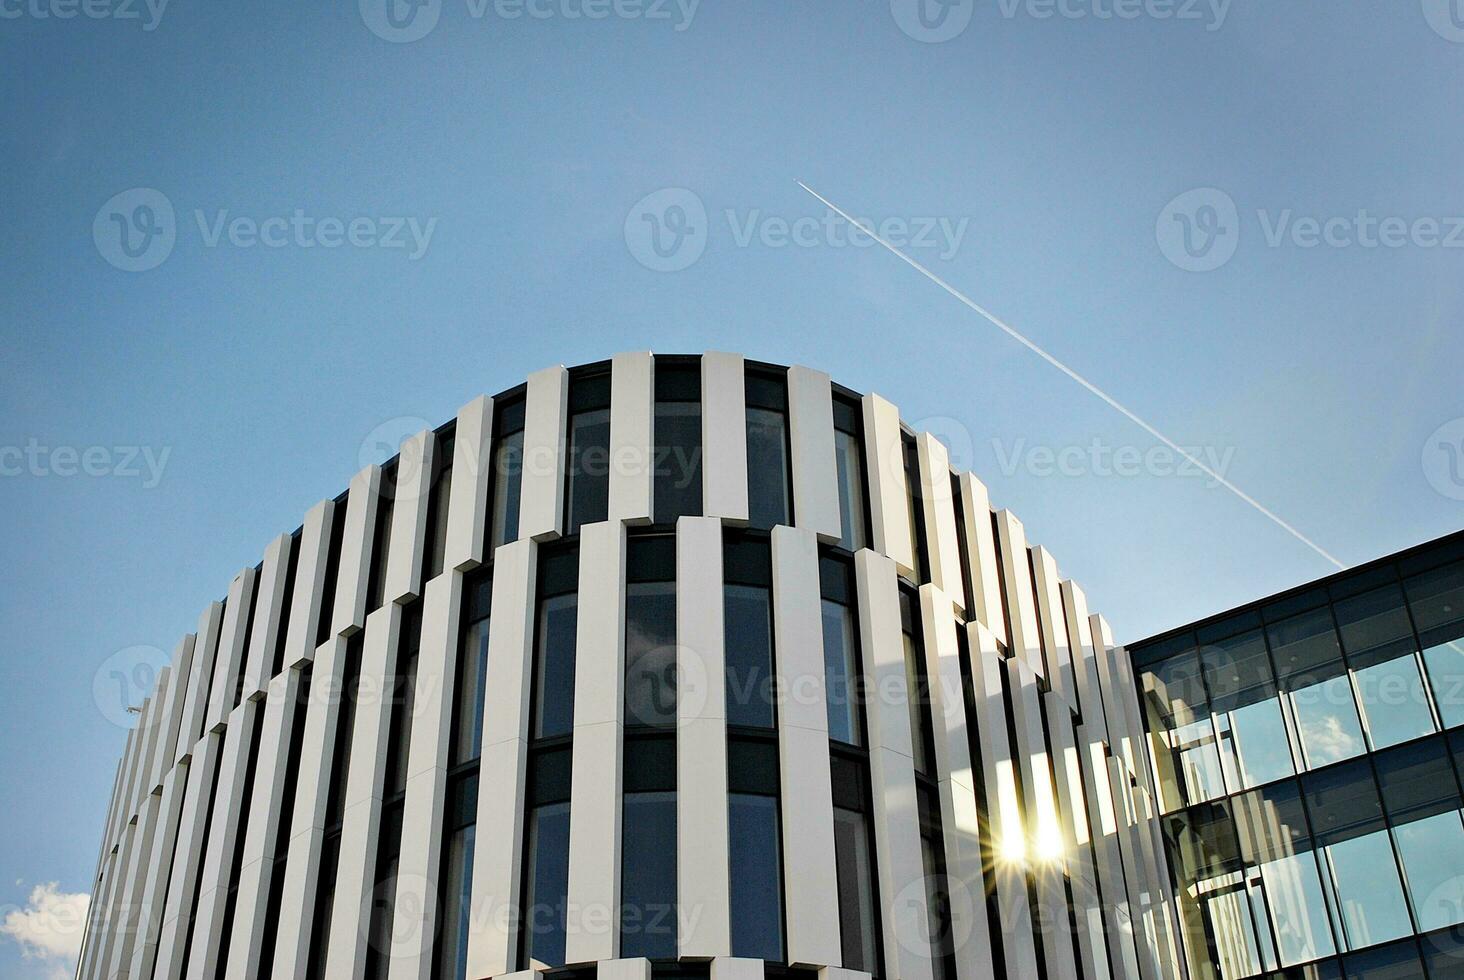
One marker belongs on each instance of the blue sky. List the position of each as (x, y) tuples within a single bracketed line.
[(1070, 172)]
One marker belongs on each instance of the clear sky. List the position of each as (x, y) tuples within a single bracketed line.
[(1042, 164)]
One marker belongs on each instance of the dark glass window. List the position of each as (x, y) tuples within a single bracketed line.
[(849, 464), (756, 887), (1417, 780), (546, 871), (650, 632), (1271, 822), (1305, 649), (648, 875), (917, 685), (1375, 626), (748, 631), (937, 886), (1396, 962), (437, 509), (587, 466), (677, 481), (1237, 671), (381, 539), (854, 863), (558, 620), (1437, 601), (332, 570), (1343, 801), (472, 667), (769, 481), (508, 472), (457, 878), (843, 684), (914, 508)]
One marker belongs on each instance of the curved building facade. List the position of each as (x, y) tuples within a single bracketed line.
[(662, 666)]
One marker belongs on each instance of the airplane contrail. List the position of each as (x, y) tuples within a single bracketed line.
[(1107, 398)]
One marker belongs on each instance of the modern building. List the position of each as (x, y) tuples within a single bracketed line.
[(1307, 751), (664, 666)]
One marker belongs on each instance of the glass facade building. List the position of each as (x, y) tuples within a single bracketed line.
[(1307, 751), (658, 667)]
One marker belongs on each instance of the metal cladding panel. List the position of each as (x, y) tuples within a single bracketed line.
[(1006, 825), (546, 407), (724, 437), (1050, 619), (205, 652), (1026, 642), (182, 891), (815, 472), (233, 638), (810, 880), (150, 911), (956, 781), (594, 811), (892, 773), (632, 421), (307, 604), (268, 617), (411, 491), (498, 855), (362, 501), (981, 562), (889, 493), (467, 509), (938, 504), (171, 715)]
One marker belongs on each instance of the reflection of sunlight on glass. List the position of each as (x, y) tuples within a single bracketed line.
[(1048, 841), (1075, 792), (1105, 790), (1012, 848)]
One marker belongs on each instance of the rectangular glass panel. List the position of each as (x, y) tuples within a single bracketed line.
[(921, 735), (769, 501), (469, 735), (1393, 702), (548, 884), (1298, 910), (1417, 780), (650, 654), (841, 670), (589, 468), (1262, 750), (1369, 894), (1375, 620), (648, 875), (508, 474), (748, 628), (1199, 759), (1437, 600), (1326, 722), (849, 460), (856, 889), (1445, 662), (457, 911), (677, 480), (554, 683), (1304, 647), (756, 887), (1234, 934), (1432, 850)]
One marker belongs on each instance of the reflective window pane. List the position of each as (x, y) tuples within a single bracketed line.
[(650, 653), (849, 460), (648, 875), (458, 883), (1343, 802), (1393, 703), (1298, 910), (1199, 760), (1374, 625), (588, 466), (1436, 599), (769, 499), (756, 887), (1261, 747), (547, 881), (1445, 663), (554, 662), (748, 628), (1417, 780), (508, 473), (1326, 722), (1305, 648), (1237, 946), (1237, 671), (841, 672), (677, 481), (1432, 850), (1369, 894), (1398, 962), (468, 738), (856, 889)]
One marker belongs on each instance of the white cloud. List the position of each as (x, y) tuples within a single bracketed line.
[(49, 928)]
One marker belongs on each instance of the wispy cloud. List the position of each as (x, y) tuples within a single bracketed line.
[(49, 928)]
